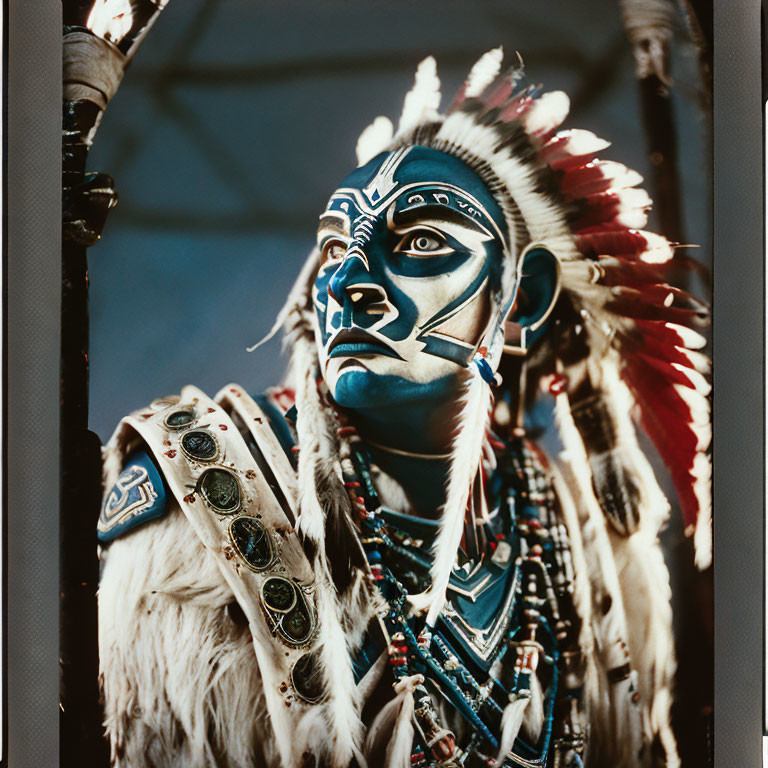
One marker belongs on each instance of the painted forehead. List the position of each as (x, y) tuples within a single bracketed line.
[(415, 178)]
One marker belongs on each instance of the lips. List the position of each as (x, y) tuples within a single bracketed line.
[(350, 342)]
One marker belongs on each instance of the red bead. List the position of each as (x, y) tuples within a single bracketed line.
[(444, 749), (558, 384)]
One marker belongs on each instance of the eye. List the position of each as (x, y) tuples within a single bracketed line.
[(332, 250), (423, 243)]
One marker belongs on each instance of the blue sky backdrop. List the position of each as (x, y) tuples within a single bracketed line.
[(235, 123)]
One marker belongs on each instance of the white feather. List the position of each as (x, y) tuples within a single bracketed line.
[(633, 205), (533, 719), (465, 461), (621, 177), (702, 488), (697, 360), (616, 732), (374, 139), (700, 384), (398, 754), (547, 113), (342, 706), (485, 69), (697, 404), (642, 572), (310, 428), (576, 142), (691, 339), (423, 100), (511, 722)]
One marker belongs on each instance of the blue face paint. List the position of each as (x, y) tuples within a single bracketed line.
[(412, 246)]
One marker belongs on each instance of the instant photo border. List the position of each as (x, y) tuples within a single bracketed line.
[(32, 294)]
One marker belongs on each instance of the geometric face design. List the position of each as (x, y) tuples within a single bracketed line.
[(411, 250)]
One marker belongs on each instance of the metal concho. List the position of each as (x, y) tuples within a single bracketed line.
[(252, 542), (199, 445), (180, 418), (287, 609), (221, 490)]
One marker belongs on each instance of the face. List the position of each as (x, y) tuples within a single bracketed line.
[(411, 247)]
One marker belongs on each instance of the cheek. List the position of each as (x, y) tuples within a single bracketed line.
[(469, 324), (437, 295)]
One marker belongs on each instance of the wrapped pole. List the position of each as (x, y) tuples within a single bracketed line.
[(650, 27), (100, 39)]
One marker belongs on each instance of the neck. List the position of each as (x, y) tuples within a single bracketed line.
[(412, 443)]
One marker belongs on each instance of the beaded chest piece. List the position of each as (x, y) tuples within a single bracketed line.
[(508, 631)]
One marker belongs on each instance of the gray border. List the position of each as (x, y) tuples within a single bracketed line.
[(738, 384), (33, 329)]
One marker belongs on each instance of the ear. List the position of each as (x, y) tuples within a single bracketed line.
[(537, 291)]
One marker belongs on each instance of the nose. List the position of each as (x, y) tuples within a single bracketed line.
[(353, 288), (352, 270)]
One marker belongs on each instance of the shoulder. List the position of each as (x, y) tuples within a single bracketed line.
[(137, 496), (153, 448)]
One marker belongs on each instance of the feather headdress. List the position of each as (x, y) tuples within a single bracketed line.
[(621, 347)]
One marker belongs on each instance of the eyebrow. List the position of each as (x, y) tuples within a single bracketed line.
[(435, 214), (334, 222)]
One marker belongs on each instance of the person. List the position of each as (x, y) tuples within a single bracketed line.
[(376, 563)]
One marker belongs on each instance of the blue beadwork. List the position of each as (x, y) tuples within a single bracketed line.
[(523, 512)]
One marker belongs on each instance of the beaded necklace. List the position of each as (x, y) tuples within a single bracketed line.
[(509, 618)]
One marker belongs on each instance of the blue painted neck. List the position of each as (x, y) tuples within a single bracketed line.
[(423, 427)]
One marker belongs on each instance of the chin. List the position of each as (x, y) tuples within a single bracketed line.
[(359, 388)]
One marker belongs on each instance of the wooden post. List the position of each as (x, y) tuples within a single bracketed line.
[(100, 38)]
